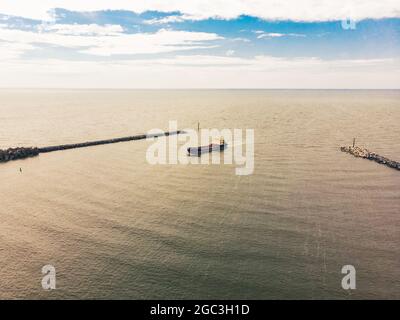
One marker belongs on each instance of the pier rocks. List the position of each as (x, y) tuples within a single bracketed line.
[(17, 153), (366, 154), (108, 141), (22, 153)]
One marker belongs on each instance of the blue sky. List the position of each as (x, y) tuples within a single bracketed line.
[(252, 45)]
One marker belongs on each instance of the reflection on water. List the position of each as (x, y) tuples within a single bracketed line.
[(115, 226)]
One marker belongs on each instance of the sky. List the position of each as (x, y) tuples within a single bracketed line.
[(200, 44)]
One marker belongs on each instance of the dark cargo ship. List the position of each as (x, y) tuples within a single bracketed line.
[(198, 151)]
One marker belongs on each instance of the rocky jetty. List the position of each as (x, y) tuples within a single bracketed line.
[(22, 153), (101, 142), (17, 153), (366, 154)]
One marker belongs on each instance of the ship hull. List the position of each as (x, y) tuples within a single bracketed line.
[(198, 151)]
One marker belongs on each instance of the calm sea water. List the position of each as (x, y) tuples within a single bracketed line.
[(115, 226)]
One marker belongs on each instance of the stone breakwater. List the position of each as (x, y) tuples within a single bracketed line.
[(22, 153), (17, 153), (366, 154)]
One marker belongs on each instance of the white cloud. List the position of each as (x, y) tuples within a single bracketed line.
[(269, 63), (83, 29), (262, 34), (297, 10), (161, 41), (204, 72), (240, 39), (109, 39), (165, 20), (10, 50), (270, 35), (230, 53)]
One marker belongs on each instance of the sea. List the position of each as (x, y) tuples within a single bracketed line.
[(115, 226)]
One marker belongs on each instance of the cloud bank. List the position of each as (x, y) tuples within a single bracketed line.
[(174, 47), (296, 10), (102, 40), (201, 71)]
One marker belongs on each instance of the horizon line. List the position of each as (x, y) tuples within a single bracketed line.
[(194, 88)]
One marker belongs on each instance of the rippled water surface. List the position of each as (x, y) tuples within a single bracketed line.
[(115, 226)]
